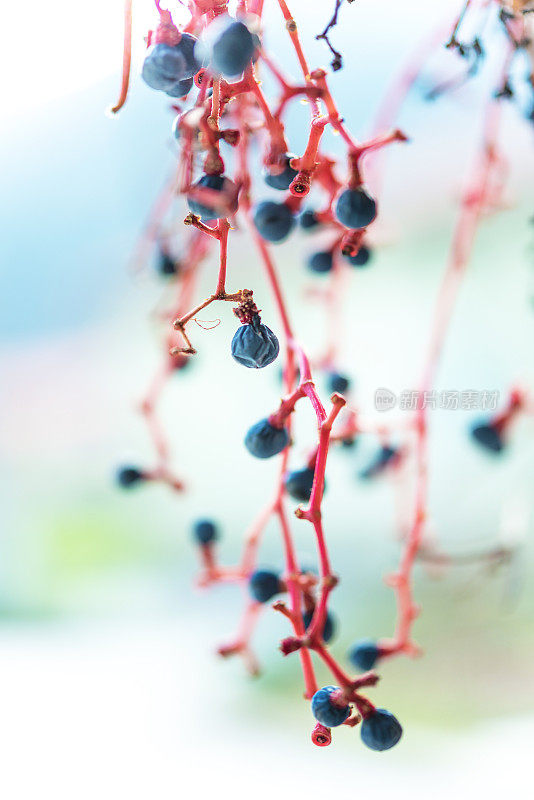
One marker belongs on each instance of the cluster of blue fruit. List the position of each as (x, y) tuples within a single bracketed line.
[(228, 51), (380, 730)]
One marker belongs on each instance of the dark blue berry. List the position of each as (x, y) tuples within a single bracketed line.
[(325, 710), (299, 484), (232, 49), (264, 584), (163, 67), (384, 457), (181, 88), (355, 208), (205, 531), (254, 345), (308, 219), (218, 183), (338, 383), (329, 625), (129, 476), (166, 265), (274, 221), (381, 730), (282, 179), (186, 46), (364, 654), (320, 262), (488, 437), (361, 258), (263, 440)]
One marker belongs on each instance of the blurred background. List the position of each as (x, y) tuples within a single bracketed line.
[(110, 683)]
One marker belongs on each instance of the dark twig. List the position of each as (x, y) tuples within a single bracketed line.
[(337, 61)]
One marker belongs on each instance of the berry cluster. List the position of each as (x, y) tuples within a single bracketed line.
[(212, 65)]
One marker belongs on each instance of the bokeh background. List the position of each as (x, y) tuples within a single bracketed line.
[(110, 685)]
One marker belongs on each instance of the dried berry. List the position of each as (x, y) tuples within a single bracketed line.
[(254, 344)]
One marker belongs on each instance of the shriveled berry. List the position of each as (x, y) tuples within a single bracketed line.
[(163, 67), (255, 345), (328, 628), (205, 531), (281, 180), (230, 46), (355, 208), (209, 211), (384, 457), (338, 383), (320, 262), (381, 730), (488, 437), (263, 440), (364, 654), (129, 476), (326, 710), (274, 221), (180, 88), (299, 484), (264, 584), (361, 258), (308, 220)]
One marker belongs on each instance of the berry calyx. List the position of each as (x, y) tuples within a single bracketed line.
[(321, 736), (328, 706)]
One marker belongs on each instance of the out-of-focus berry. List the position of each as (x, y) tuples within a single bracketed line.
[(264, 585), (209, 211), (281, 180), (263, 440), (205, 531), (273, 221)]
